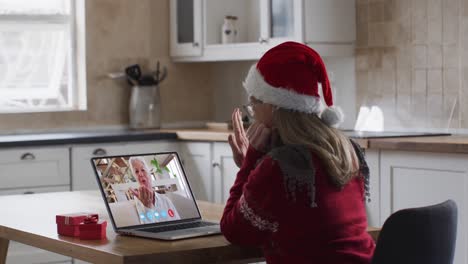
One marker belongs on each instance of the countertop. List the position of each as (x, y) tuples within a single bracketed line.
[(41, 139), (443, 144)]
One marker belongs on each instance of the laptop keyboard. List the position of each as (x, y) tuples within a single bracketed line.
[(160, 229)]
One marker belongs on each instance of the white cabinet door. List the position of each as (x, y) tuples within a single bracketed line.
[(413, 179), (19, 253), (330, 26), (373, 206), (224, 171), (282, 20), (196, 159), (34, 167), (83, 176), (186, 27)]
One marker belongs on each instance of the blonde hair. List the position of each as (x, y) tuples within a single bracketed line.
[(332, 147)]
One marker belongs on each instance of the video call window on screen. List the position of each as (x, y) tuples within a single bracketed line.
[(145, 189)]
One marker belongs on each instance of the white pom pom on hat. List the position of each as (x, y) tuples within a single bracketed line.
[(288, 76)]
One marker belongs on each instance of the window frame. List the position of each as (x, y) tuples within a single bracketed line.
[(76, 67)]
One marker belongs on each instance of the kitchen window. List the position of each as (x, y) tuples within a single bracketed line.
[(42, 66)]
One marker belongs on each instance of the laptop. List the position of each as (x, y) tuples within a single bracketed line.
[(148, 195)]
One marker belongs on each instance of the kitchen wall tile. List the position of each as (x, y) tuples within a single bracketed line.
[(450, 112), (450, 55), (452, 81), (390, 11), (419, 111), (404, 57), (465, 7), (362, 35), (434, 56), (403, 109), (361, 88), (389, 59), (390, 34), (362, 13), (464, 99), (403, 31), (375, 58), (450, 21), (464, 40), (403, 9), (419, 56), (431, 63), (376, 34), (434, 82), (362, 62), (403, 81), (434, 111), (419, 85), (376, 11), (434, 16), (419, 29)]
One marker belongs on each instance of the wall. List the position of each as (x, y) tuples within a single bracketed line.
[(227, 78), (120, 33), (412, 61)]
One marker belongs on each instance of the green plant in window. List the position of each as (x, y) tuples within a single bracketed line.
[(155, 163)]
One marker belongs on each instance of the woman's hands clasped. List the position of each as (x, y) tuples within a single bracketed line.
[(258, 135)]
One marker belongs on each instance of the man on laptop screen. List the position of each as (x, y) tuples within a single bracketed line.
[(147, 190)]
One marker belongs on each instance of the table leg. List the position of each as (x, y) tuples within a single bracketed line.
[(3, 250)]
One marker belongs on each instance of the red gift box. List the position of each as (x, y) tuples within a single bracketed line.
[(91, 228), (68, 224)]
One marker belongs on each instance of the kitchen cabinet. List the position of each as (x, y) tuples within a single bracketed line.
[(260, 24), (197, 162), (413, 179), (185, 27), (19, 253), (330, 26), (210, 169), (83, 176), (224, 171), (34, 167), (373, 206)]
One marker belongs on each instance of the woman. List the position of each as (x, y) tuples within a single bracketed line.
[(151, 206), (301, 187)]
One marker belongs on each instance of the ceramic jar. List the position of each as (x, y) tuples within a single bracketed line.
[(229, 30)]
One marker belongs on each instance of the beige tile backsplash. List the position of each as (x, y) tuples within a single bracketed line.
[(415, 70), (120, 33)]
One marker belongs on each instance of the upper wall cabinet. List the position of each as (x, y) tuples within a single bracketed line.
[(186, 27), (330, 26), (258, 25)]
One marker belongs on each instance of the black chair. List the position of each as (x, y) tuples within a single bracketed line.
[(424, 235)]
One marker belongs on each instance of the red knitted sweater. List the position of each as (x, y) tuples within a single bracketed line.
[(263, 211)]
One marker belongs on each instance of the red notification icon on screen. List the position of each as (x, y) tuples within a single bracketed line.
[(170, 213)]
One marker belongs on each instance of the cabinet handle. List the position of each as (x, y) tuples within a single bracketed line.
[(29, 192), (99, 152), (263, 40), (196, 44), (215, 164), (28, 156)]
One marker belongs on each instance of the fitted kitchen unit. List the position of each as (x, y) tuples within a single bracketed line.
[(328, 26)]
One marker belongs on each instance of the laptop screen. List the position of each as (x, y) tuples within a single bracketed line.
[(145, 189)]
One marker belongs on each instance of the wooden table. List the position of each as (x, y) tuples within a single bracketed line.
[(30, 219)]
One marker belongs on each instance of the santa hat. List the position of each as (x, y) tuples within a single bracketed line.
[(288, 75)]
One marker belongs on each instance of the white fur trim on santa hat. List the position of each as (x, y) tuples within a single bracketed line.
[(279, 96), (332, 116)]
